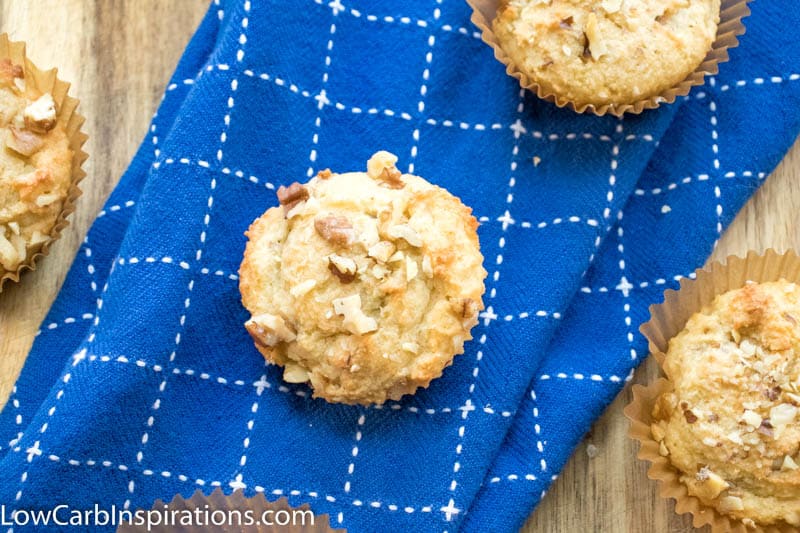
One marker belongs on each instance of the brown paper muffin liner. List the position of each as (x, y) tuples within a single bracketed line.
[(66, 106), (730, 27), (667, 319), (236, 503)]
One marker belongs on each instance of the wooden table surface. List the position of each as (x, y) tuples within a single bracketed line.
[(119, 56)]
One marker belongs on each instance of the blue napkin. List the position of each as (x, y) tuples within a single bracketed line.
[(143, 382)]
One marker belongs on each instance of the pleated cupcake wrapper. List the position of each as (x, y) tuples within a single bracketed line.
[(730, 27), (233, 505), (669, 318), (46, 81)]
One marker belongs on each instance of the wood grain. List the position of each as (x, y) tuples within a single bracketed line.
[(611, 492), (119, 56)]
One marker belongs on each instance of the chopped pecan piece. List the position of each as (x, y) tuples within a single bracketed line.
[(324, 174), (355, 320), (730, 503), (406, 232), (23, 142), (773, 393), (691, 418), (343, 268), (379, 162), (269, 330), (292, 195), (40, 115), (295, 374), (713, 484), (335, 229), (381, 251), (392, 178)]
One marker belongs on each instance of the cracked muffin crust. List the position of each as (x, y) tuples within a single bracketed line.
[(608, 52), (35, 167), (731, 424), (363, 284)]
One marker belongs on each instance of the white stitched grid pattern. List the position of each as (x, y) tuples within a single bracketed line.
[(490, 315)]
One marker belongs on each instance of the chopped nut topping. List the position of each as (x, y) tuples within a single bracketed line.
[(9, 254), (23, 141), (747, 347), (355, 320), (691, 418), (766, 428), (381, 251), (335, 229), (735, 437), (427, 269), (292, 195), (597, 47), (308, 207), (294, 374), (324, 174), (406, 232), (392, 178), (379, 162), (40, 116), (46, 199), (713, 484), (397, 256), (302, 288), (782, 414), (343, 268), (730, 503), (789, 464), (708, 441), (411, 347), (380, 271), (772, 393), (38, 238), (752, 419), (662, 449), (411, 269), (269, 330), (566, 24)]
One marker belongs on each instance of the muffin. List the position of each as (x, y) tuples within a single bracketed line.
[(35, 167), (730, 424), (608, 52), (365, 285)]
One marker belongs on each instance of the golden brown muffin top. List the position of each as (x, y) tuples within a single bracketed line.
[(363, 284), (731, 424), (612, 51)]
